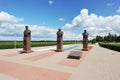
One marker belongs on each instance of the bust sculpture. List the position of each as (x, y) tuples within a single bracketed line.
[(59, 40), (27, 40), (85, 40), (59, 33), (27, 32)]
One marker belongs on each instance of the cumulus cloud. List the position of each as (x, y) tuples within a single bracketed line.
[(11, 29), (71, 35), (61, 19), (5, 17), (118, 11), (7, 24), (8, 31), (94, 24), (50, 2)]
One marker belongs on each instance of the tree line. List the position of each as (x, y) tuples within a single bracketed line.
[(109, 38)]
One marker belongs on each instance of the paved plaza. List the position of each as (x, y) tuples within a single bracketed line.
[(45, 64)]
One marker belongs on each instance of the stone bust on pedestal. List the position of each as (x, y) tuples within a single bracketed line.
[(27, 41), (59, 41), (85, 40)]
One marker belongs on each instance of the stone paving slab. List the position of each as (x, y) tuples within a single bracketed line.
[(41, 56), (16, 66), (96, 64), (24, 72), (10, 55), (99, 64), (6, 77)]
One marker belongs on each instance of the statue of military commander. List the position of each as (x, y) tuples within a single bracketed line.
[(85, 40), (27, 40), (59, 40)]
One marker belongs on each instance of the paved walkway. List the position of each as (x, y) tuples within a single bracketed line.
[(45, 64), (100, 64)]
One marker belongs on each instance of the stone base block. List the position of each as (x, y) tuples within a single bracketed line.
[(27, 51), (85, 49), (59, 50), (76, 54)]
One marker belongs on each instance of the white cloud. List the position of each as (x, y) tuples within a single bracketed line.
[(68, 26), (8, 31), (110, 4), (94, 24), (118, 11), (71, 35), (50, 2), (5, 17), (11, 38), (61, 19), (84, 12), (7, 24)]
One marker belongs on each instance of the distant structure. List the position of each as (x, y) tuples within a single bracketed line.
[(27, 41), (59, 41), (85, 40)]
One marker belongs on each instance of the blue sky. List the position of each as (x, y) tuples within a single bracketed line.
[(54, 14)]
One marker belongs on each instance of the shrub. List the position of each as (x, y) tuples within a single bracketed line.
[(113, 46)]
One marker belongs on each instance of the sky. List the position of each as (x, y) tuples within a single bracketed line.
[(45, 17)]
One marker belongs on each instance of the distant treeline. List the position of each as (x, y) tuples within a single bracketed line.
[(111, 41), (109, 38)]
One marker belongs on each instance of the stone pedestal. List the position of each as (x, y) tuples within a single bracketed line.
[(59, 41), (27, 41), (85, 40)]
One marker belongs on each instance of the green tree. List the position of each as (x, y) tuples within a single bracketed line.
[(118, 38), (93, 41), (99, 39)]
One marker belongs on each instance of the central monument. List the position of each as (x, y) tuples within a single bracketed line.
[(59, 41), (85, 40), (27, 41)]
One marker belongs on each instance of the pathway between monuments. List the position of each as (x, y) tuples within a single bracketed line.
[(66, 47), (100, 64)]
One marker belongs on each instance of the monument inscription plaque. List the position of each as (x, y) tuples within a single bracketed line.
[(75, 54)]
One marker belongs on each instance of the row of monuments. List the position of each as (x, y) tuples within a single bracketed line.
[(27, 40)]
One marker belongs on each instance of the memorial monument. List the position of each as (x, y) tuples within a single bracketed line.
[(85, 40), (27, 41), (59, 41)]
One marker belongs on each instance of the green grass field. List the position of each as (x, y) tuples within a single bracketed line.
[(19, 44)]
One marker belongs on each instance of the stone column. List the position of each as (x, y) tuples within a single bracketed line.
[(85, 40), (59, 41), (27, 41)]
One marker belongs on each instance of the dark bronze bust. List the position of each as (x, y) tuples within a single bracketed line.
[(27, 40), (59, 33), (85, 40), (85, 35), (59, 40), (27, 32)]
